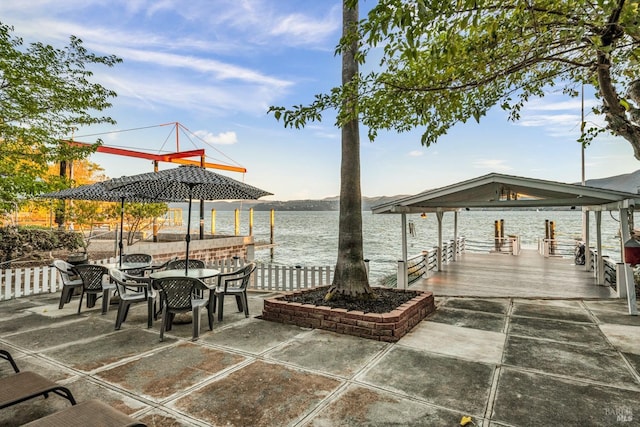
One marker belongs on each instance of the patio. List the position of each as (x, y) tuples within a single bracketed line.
[(500, 360)]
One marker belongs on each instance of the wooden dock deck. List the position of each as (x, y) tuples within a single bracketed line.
[(528, 275)]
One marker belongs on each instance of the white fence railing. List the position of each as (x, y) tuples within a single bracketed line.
[(15, 283)]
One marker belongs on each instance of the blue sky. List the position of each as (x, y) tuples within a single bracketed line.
[(215, 66)]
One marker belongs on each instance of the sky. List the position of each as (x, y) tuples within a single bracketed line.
[(215, 67)]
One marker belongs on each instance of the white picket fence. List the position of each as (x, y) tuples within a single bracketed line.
[(16, 283)]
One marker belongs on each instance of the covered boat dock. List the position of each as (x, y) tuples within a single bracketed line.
[(529, 274)]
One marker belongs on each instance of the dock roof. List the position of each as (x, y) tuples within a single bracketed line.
[(497, 191)]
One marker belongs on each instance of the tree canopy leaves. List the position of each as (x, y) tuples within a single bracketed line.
[(45, 94), (442, 63)]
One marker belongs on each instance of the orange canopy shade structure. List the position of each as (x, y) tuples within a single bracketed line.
[(177, 157)]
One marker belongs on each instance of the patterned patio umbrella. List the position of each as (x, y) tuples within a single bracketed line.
[(98, 192), (186, 182)]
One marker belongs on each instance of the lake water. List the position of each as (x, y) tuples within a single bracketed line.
[(311, 238)]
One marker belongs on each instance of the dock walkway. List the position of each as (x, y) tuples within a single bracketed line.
[(528, 275)]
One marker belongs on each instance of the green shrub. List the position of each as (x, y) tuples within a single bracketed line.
[(17, 242)]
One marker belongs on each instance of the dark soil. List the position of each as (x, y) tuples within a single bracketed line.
[(384, 301)]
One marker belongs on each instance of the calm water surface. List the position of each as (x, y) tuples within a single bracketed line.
[(311, 238)]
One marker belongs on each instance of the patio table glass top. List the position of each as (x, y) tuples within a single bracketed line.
[(198, 273)]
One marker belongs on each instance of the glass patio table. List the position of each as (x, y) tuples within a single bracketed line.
[(198, 273), (128, 266)]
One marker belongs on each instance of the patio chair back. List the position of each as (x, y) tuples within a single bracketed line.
[(181, 264), (233, 283), (180, 295), (131, 290), (237, 280), (137, 258), (70, 281), (65, 269), (94, 284)]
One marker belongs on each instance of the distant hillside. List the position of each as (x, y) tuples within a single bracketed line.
[(327, 204), (629, 182)]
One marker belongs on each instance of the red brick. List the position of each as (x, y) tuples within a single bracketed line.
[(385, 326), (365, 324), (329, 325), (314, 323), (392, 317), (349, 321), (355, 314)]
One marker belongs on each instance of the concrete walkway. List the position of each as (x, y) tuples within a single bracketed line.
[(502, 361)]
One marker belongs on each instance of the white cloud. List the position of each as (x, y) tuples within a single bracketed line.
[(416, 153), (300, 29), (223, 138)]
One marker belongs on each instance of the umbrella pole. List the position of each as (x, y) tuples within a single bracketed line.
[(188, 236), (120, 244)]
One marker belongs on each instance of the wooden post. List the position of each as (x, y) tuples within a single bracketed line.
[(272, 228), (625, 234), (251, 222), (155, 221), (213, 221), (237, 222), (600, 259), (439, 215)]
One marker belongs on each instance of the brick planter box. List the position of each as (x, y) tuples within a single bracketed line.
[(388, 327)]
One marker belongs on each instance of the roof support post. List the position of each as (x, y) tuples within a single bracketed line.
[(404, 271), (455, 236), (625, 234), (600, 259), (439, 215), (587, 243), (201, 235)]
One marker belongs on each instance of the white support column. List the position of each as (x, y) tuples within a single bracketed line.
[(600, 260), (404, 271), (439, 215), (455, 236), (625, 234), (587, 243)]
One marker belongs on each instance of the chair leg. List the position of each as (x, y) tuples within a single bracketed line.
[(210, 311), (120, 315), (211, 308), (106, 300), (91, 300), (245, 304), (220, 306), (170, 317), (239, 303), (65, 297), (165, 319), (150, 312), (196, 323), (80, 303)]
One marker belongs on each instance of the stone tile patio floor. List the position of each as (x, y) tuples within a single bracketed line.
[(504, 362)]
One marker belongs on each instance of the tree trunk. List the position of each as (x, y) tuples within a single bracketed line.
[(350, 277), (614, 112)]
